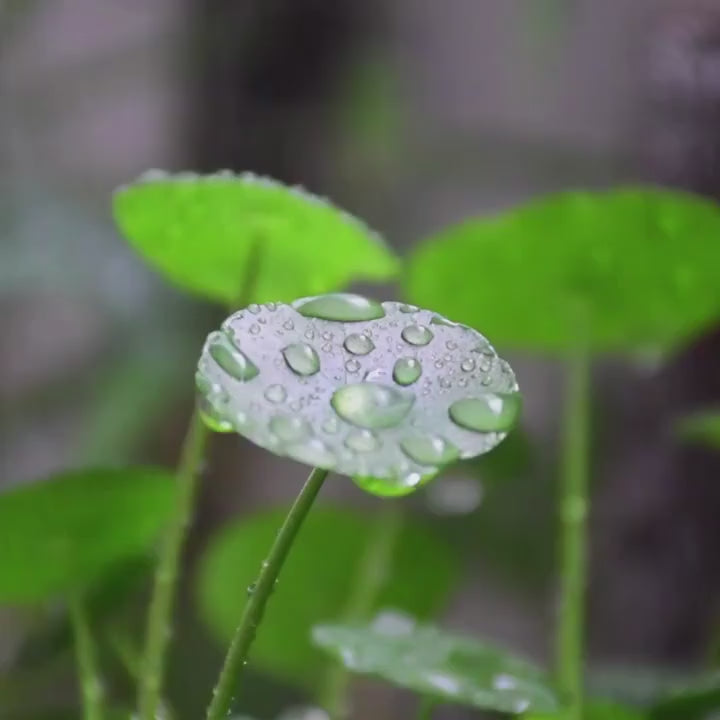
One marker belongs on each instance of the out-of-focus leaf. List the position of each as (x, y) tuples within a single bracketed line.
[(702, 428), (596, 710), (695, 700), (213, 234), (63, 534), (630, 269), (432, 662), (513, 457), (316, 582)]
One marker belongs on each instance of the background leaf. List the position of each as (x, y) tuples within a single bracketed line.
[(65, 533), (432, 662), (596, 710), (702, 427), (208, 233), (315, 583), (640, 266)]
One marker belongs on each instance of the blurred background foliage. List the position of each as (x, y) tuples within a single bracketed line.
[(411, 115)]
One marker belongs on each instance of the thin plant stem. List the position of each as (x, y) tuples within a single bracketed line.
[(426, 707), (192, 456), (574, 504), (167, 572), (91, 688), (372, 574), (259, 594)]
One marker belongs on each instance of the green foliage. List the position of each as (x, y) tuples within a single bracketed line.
[(701, 428), (316, 582), (694, 699), (434, 663), (209, 234), (597, 710), (631, 269), (62, 535)]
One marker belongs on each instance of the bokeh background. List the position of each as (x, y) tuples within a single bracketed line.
[(411, 114)]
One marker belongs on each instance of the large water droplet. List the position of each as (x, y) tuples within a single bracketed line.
[(362, 441), (312, 452), (406, 371), (429, 449), (342, 307), (371, 405), (358, 344), (290, 428), (384, 487), (215, 420), (301, 358), (416, 335), (276, 393), (494, 412), (232, 361)]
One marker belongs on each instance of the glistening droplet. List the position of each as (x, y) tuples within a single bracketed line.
[(358, 344), (343, 307), (493, 412), (312, 452), (275, 393), (406, 371), (301, 358), (416, 335), (290, 428), (361, 441), (429, 449), (234, 362), (371, 405)]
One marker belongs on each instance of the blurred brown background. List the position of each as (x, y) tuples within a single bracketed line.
[(412, 114)]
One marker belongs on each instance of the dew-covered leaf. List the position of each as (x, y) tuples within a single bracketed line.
[(208, 234), (383, 391), (702, 428), (635, 268), (316, 581), (65, 533), (429, 661)]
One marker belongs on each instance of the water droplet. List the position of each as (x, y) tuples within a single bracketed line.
[(406, 371), (327, 336), (370, 405), (232, 361), (327, 348), (494, 412), (467, 365), (429, 449), (301, 358), (439, 320), (313, 452), (504, 682), (358, 344), (289, 325), (377, 375), (251, 588), (331, 426), (290, 428), (276, 393), (254, 309), (361, 441), (352, 365), (309, 333), (342, 307), (451, 345), (416, 335), (407, 308), (205, 386), (439, 364), (271, 306), (445, 383), (215, 420), (254, 329)]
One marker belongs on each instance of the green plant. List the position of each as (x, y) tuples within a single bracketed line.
[(386, 393)]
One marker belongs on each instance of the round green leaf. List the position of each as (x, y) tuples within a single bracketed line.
[(63, 534), (432, 662), (381, 391), (212, 234), (628, 269), (316, 582)]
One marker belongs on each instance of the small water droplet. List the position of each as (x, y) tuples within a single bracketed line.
[(416, 335), (289, 428), (342, 307), (251, 588), (327, 348), (301, 358), (406, 371), (407, 308), (313, 452), (358, 344), (445, 383), (310, 334), (439, 320), (331, 426), (429, 449), (289, 325), (377, 375), (439, 364), (352, 365), (271, 306), (451, 345), (494, 412), (371, 405), (276, 393), (254, 329), (361, 441), (234, 362), (254, 308), (327, 336), (467, 365)]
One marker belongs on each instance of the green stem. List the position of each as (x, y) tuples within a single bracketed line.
[(427, 705), (167, 572), (90, 684), (260, 592), (372, 574), (573, 536)]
